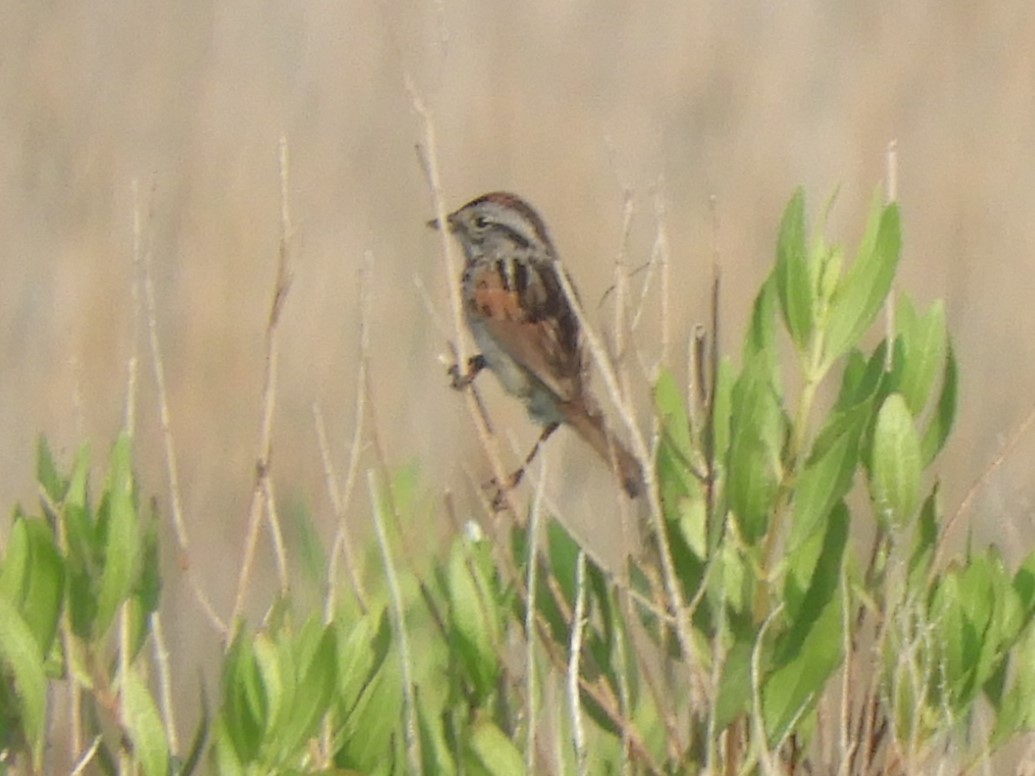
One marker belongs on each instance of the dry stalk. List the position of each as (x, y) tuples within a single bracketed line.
[(530, 585), (578, 732), (398, 616), (451, 266), (165, 699), (262, 492), (171, 464)]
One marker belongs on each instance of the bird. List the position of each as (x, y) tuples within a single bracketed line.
[(525, 328)]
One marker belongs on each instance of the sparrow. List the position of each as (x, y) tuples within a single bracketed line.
[(525, 327)]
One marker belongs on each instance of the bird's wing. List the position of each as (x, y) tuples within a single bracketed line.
[(524, 308)]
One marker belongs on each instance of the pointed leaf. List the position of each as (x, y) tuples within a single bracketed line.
[(864, 289), (896, 466), (827, 475), (144, 726), (475, 620), (794, 281), (755, 466), (944, 416), (492, 750), (122, 551), (53, 484), (811, 650), (923, 355), (315, 688), (20, 655)]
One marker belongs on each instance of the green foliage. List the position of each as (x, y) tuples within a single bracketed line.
[(798, 539), (66, 577)]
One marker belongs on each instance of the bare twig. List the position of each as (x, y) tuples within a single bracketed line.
[(530, 612), (578, 734), (428, 155), (165, 699), (87, 757), (171, 465), (980, 483), (409, 699), (644, 454), (262, 492), (342, 545), (621, 282), (758, 721)]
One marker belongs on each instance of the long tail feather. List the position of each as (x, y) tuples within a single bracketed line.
[(591, 428)]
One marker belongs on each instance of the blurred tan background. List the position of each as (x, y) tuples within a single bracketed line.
[(572, 105)]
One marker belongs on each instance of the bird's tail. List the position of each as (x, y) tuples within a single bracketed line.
[(591, 427)]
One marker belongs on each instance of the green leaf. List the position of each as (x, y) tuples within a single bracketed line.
[(760, 342), (315, 689), (362, 648), (275, 682), (491, 750), (896, 466), (671, 407), (436, 756), (864, 289), (370, 734), (828, 474), (794, 282), (979, 616), (122, 550), (79, 522), (922, 353), (926, 540), (21, 656), (1024, 586), (475, 621), (944, 416), (862, 378), (53, 484), (735, 686), (224, 751), (149, 582), (243, 716), (810, 651), (144, 726), (755, 465), (676, 453), (1016, 711), (16, 562), (44, 585)]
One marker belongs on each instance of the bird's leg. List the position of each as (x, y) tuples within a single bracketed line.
[(498, 501), (475, 364)]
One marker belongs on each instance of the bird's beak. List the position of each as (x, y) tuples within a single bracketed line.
[(433, 223)]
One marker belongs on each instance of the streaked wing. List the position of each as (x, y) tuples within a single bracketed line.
[(524, 308)]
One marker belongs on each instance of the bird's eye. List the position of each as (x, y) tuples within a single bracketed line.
[(481, 222)]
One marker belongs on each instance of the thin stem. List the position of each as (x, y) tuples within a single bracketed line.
[(165, 698), (530, 612), (578, 733), (399, 622), (262, 492), (428, 155), (169, 445)]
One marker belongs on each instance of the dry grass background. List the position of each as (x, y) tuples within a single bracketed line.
[(571, 104)]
